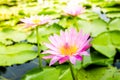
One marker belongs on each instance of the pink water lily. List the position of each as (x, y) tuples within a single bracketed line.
[(70, 45), (74, 10), (34, 21)]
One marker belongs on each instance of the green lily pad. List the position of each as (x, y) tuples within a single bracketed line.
[(16, 54), (103, 44), (9, 34), (113, 14), (94, 27), (46, 74), (99, 59), (66, 75), (44, 33), (115, 38), (114, 24), (107, 42), (61, 72), (99, 73)]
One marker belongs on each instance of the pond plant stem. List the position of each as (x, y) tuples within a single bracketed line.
[(71, 70), (38, 44), (76, 23)]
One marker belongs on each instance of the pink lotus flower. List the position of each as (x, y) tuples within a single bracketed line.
[(74, 10), (34, 21), (70, 45)]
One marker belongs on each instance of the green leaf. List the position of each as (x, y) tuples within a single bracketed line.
[(66, 75), (113, 14), (46, 74), (86, 60), (115, 38), (10, 23), (8, 34), (61, 72), (44, 33), (104, 3), (89, 15), (16, 54), (94, 27), (99, 59), (110, 9), (66, 22), (117, 75), (107, 42), (114, 24), (98, 73), (103, 44), (78, 65)]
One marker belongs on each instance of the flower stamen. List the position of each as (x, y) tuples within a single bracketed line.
[(68, 49), (36, 21)]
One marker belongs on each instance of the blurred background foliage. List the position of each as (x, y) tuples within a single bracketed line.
[(101, 19)]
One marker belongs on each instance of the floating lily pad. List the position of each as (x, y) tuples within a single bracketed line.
[(114, 24), (11, 35), (99, 73), (94, 27), (107, 42), (46, 74), (16, 54)]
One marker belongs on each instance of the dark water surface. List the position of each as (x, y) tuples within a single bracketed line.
[(15, 72)]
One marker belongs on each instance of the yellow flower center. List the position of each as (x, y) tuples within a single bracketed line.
[(36, 21), (68, 50)]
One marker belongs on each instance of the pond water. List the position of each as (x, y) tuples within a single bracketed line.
[(15, 72)]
